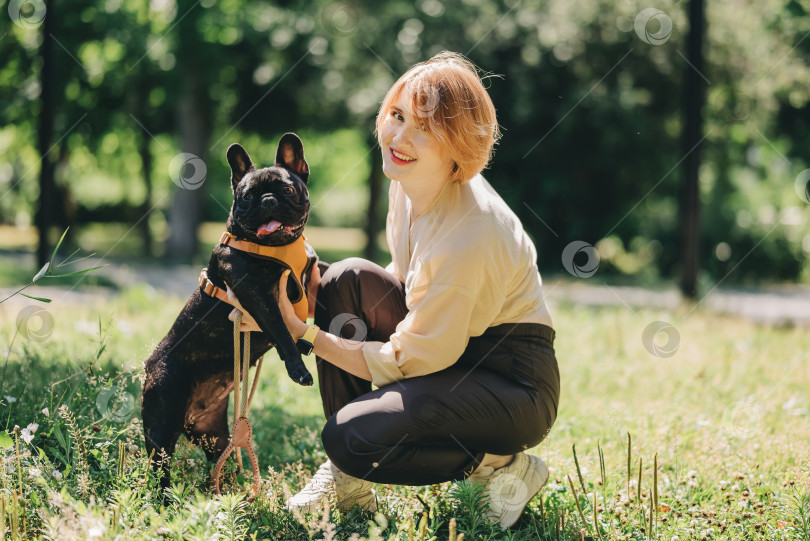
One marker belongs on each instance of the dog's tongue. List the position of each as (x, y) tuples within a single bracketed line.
[(268, 228)]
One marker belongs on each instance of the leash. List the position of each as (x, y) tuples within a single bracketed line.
[(242, 433)]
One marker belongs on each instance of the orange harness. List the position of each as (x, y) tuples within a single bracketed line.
[(294, 257)]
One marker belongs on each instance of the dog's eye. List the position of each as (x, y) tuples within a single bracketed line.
[(288, 190), (248, 196)]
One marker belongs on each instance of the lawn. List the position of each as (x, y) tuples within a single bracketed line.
[(709, 418)]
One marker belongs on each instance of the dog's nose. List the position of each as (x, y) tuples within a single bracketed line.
[(269, 201)]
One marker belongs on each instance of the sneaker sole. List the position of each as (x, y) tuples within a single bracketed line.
[(368, 502)]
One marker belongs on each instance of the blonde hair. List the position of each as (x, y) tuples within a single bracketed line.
[(449, 100)]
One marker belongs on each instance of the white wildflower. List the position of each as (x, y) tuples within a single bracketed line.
[(57, 474), (27, 433), (46, 411), (10, 399), (34, 472)]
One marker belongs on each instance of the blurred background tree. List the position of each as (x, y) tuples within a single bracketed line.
[(591, 110)]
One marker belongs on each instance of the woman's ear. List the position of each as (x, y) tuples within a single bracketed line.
[(290, 154)]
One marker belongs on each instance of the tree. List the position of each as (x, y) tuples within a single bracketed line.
[(694, 100)]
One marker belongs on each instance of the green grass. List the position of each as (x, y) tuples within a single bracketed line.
[(724, 417)]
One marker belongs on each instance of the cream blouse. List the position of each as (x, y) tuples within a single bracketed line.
[(467, 265)]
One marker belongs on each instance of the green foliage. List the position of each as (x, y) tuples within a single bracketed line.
[(725, 416), (47, 271), (472, 503), (591, 115)]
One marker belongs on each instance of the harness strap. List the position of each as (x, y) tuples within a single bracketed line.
[(293, 256), (210, 289)]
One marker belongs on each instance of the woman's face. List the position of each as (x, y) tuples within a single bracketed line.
[(408, 151)]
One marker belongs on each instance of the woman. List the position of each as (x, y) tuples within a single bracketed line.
[(455, 332)]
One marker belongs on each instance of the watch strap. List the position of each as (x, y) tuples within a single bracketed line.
[(310, 334), (307, 342)]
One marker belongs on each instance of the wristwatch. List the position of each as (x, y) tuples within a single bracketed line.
[(307, 342)]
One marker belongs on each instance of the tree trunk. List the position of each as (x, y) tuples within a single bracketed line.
[(694, 97), (184, 217), (146, 167), (145, 152), (375, 189), (46, 172)]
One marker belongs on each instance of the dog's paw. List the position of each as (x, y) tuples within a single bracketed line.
[(301, 376)]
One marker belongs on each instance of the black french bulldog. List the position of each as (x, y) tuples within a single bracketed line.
[(190, 374)]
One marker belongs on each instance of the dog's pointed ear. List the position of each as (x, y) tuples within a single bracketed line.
[(290, 154), (240, 163)]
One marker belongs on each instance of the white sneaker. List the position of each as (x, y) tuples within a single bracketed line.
[(511, 487), (331, 484)]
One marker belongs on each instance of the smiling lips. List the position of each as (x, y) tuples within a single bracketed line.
[(400, 158)]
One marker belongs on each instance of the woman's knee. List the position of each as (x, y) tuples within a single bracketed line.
[(344, 274), (337, 442), (339, 292), (356, 288), (340, 282)]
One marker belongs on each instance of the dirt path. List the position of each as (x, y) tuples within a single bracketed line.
[(774, 305)]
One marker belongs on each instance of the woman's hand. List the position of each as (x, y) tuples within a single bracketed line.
[(248, 323), (295, 326)]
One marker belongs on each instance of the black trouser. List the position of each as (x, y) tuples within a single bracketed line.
[(500, 397)]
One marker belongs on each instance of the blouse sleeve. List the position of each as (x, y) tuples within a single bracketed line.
[(435, 331)]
